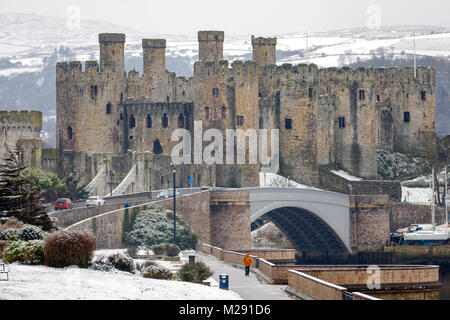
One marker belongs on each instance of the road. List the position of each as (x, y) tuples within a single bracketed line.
[(82, 203), (249, 288)]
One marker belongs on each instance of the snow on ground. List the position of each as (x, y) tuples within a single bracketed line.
[(44, 283), (268, 179), (346, 175), (416, 195)]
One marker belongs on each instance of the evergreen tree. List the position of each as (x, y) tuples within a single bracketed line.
[(19, 198)]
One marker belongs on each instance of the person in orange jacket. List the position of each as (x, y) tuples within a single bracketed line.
[(247, 263)]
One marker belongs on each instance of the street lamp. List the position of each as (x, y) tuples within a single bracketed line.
[(174, 204), (111, 174)]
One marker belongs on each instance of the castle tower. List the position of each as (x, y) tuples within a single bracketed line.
[(210, 45), (264, 50), (155, 68), (112, 51)]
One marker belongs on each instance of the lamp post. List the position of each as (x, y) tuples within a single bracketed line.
[(110, 182), (174, 205)]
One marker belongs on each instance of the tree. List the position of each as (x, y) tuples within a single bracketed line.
[(19, 197)]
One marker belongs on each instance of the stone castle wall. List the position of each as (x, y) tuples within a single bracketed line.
[(337, 116), (24, 127)]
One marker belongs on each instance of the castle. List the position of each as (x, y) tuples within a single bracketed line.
[(23, 127), (113, 126)]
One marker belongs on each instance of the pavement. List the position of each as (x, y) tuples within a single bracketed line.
[(249, 288)]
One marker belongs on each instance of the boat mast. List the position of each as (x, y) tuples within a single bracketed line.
[(415, 62), (432, 198), (446, 197)]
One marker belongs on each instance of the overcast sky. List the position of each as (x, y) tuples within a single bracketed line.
[(265, 17)]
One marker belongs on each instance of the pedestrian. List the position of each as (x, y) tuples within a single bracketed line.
[(247, 263), (127, 204)]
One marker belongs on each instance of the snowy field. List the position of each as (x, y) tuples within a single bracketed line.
[(44, 283)]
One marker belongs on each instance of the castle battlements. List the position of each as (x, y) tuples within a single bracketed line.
[(325, 115)]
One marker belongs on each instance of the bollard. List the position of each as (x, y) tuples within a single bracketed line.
[(223, 281)]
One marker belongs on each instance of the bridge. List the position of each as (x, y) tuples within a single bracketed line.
[(313, 220)]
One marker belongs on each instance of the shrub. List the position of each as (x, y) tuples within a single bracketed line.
[(66, 248), (26, 233), (122, 262), (194, 272), (158, 249), (3, 244), (171, 249), (24, 251), (141, 266), (10, 223), (155, 226), (157, 272), (101, 263)]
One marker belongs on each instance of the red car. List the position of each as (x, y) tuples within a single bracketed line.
[(62, 204)]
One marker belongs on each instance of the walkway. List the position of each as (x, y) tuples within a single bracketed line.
[(249, 288)]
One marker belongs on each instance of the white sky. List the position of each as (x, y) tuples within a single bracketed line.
[(264, 17)]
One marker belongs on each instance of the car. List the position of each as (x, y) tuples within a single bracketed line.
[(165, 194), (95, 201), (206, 188), (63, 204)]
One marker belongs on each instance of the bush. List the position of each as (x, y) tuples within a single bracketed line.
[(158, 249), (154, 226), (10, 223), (101, 263), (24, 251), (194, 272), (141, 266), (157, 272), (122, 262), (66, 248), (26, 233), (3, 244), (171, 249)]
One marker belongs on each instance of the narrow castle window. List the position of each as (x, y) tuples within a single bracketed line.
[(69, 133), (215, 113), (342, 122), (165, 121), (261, 123), (362, 95), (108, 108), (157, 148), (423, 95), (181, 121), (206, 113), (132, 122), (215, 92), (288, 123), (378, 98), (149, 121), (168, 99), (224, 112), (93, 92), (406, 117), (240, 120), (310, 93), (121, 116)]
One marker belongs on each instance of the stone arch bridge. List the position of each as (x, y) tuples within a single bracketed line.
[(313, 220)]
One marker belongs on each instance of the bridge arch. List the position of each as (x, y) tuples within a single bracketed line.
[(313, 220)]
